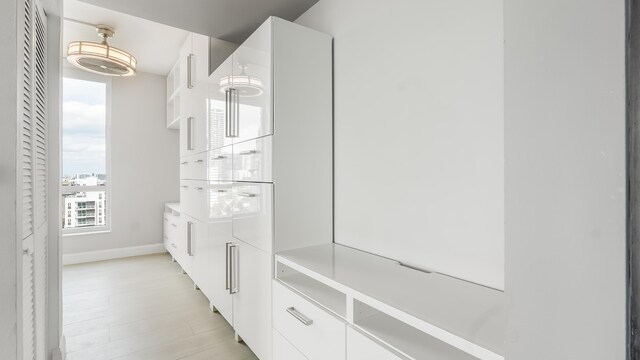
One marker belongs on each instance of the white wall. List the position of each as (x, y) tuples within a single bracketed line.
[(565, 179), (8, 181), (419, 155), (144, 166)]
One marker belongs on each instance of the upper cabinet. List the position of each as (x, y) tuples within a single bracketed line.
[(194, 71), (251, 86)]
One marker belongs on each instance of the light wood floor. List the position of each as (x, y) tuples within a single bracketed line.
[(142, 308)]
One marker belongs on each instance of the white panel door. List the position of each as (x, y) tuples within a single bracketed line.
[(220, 237), (251, 284), (253, 214), (200, 254), (183, 244), (252, 81)]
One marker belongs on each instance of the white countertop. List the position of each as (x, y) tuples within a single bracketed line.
[(469, 311)]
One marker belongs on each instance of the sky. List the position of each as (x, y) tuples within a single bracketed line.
[(83, 127)]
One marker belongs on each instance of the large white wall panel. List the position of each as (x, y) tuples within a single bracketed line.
[(419, 141), (565, 179)]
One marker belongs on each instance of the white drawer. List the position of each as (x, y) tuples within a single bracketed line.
[(172, 233), (253, 214), (193, 198), (252, 160), (361, 347), (220, 164), (283, 350), (193, 167), (322, 338)]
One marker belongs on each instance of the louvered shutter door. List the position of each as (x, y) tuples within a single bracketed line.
[(26, 160), (27, 122), (40, 135), (33, 166)]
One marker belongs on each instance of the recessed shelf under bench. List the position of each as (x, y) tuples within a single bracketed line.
[(416, 314)]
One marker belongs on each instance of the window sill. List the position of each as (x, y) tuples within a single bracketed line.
[(82, 233)]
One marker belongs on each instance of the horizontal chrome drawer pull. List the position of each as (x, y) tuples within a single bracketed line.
[(248, 152), (184, 163), (247, 194), (298, 315), (199, 161), (219, 157), (222, 190)]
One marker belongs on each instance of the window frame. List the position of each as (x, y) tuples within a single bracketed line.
[(76, 74)]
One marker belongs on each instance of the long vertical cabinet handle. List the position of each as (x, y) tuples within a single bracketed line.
[(190, 238), (236, 112), (227, 112), (190, 133), (190, 71), (227, 267), (233, 288)]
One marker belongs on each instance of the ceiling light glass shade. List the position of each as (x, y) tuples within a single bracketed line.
[(246, 85), (101, 58)]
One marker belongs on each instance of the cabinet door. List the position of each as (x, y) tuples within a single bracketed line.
[(253, 214), (252, 160), (218, 101), (252, 299), (200, 254), (252, 81), (182, 243), (220, 237), (186, 111)]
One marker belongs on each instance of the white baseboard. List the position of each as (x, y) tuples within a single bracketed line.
[(91, 256)]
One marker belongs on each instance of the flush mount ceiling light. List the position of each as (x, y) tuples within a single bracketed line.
[(247, 86), (101, 58)]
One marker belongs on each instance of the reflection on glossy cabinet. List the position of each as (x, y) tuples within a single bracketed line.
[(253, 214)]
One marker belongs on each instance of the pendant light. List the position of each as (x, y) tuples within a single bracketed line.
[(247, 85), (101, 58)]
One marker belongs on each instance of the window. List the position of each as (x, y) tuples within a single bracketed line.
[(85, 151)]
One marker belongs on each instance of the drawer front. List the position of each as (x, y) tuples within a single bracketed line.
[(220, 164), (252, 160), (193, 199), (283, 350), (321, 339), (193, 167), (360, 347), (253, 214), (173, 222)]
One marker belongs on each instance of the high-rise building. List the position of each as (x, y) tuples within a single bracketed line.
[(85, 209)]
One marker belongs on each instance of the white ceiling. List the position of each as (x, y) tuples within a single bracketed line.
[(154, 45), (229, 20)]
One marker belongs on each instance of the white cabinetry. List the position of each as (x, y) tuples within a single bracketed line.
[(194, 66), (171, 224), (256, 167), (391, 312)]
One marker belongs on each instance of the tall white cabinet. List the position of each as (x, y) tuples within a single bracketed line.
[(256, 168)]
